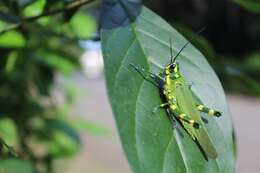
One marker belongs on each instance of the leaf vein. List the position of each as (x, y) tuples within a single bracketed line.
[(123, 60), (181, 151), (165, 153)]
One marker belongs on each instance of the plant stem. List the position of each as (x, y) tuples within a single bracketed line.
[(70, 6)]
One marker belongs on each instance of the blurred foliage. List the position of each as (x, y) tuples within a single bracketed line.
[(35, 129), (231, 41)]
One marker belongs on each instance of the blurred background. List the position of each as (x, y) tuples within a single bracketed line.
[(55, 115)]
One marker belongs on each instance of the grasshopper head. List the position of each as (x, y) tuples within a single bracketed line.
[(172, 69)]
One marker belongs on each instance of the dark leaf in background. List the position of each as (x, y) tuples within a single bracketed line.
[(116, 13), (251, 5), (8, 18)]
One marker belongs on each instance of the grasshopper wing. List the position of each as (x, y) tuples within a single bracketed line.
[(186, 103)]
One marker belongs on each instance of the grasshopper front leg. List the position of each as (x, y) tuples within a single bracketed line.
[(208, 111), (163, 105), (150, 78)]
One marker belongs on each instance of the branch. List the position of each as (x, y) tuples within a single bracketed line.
[(70, 6)]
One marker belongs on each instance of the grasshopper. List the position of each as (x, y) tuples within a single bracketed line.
[(181, 102)]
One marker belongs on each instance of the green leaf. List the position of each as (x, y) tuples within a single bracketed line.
[(251, 5), (34, 9), (64, 140), (8, 131), (2, 25), (12, 39), (15, 166), (252, 63), (90, 127), (62, 145), (83, 25), (137, 35), (10, 64), (57, 61)]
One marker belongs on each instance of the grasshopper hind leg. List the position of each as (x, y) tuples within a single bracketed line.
[(188, 119), (182, 116), (208, 111), (174, 122)]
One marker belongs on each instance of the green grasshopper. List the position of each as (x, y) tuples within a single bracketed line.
[(181, 102)]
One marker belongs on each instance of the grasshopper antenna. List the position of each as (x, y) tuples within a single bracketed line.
[(186, 44), (171, 50)]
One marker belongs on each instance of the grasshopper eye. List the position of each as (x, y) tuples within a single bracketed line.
[(172, 66)]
